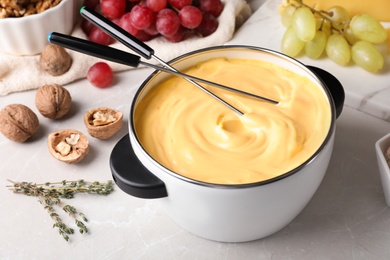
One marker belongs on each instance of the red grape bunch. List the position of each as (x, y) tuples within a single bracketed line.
[(175, 20)]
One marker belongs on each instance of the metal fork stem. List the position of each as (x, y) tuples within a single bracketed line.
[(211, 83), (200, 87)]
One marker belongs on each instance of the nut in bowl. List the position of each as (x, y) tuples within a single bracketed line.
[(27, 35), (382, 153)]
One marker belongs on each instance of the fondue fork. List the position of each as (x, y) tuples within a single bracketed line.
[(142, 49), (125, 58)]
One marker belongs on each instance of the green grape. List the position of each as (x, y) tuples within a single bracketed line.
[(339, 16), (304, 24), (291, 44), (321, 23), (326, 28), (287, 14), (367, 28), (315, 47), (367, 56), (338, 49), (351, 38)]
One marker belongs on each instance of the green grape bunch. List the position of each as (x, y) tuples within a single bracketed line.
[(333, 33)]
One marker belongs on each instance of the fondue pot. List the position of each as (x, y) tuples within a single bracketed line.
[(226, 213)]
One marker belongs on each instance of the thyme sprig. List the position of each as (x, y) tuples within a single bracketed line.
[(49, 194)]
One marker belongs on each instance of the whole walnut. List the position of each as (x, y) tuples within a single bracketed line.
[(18, 122), (53, 101), (55, 60)]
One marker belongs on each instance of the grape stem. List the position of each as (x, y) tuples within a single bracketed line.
[(321, 13)]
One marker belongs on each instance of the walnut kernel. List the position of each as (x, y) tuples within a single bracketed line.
[(53, 101), (55, 60), (103, 122), (70, 146), (20, 8), (18, 122), (63, 148)]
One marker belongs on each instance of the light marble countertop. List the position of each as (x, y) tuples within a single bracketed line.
[(347, 218)]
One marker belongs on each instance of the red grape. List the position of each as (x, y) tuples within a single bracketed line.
[(156, 5), (179, 4), (100, 75), (178, 36), (91, 3), (98, 36), (125, 23), (213, 7), (167, 22), (152, 30), (141, 17), (190, 17), (113, 9), (143, 36), (86, 26), (116, 21), (208, 25)]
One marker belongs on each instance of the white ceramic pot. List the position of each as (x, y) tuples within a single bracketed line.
[(227, 213)]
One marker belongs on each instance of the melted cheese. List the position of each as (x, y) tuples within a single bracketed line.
[(194, 135)]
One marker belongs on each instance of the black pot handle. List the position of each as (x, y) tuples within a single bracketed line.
[(131, 175), (334, 86)]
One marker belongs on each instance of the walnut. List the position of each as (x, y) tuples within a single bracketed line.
[(18, 122), (68, 145), (53, 101), (55, 60), (103, 122)]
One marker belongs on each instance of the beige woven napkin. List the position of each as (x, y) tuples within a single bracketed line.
[(21, 73)]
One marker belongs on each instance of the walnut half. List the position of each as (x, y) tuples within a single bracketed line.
[(103, 122), (70, 146)]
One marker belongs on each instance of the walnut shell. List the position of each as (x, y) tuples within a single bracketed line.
[(55, 60), (18, 122), (103, 122), (68, 145), (53, 101)]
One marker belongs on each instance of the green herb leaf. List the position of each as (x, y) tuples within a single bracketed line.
[(49, 194)]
